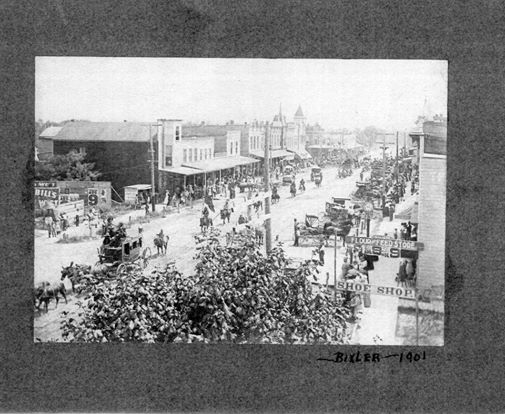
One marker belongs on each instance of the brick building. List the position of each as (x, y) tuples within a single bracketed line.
[(431, 156), (119, 150)]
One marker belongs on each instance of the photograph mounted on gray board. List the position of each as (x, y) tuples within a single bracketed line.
[(265, 201)]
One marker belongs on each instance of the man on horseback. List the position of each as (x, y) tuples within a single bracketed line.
[(161, 242), (293, 189), (225, 211)]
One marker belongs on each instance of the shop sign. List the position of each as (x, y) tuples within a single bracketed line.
[(384, 242), (398, 292)]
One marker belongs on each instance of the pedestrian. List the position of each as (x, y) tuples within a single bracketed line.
[(401, 279), (395, 235), (167, 198), (321, 255), (296, 233), (345, 268), (48, 220), (77, 218), (147, 209), (391, 211), (409, 268)]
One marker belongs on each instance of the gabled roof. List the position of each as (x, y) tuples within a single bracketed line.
[(299, 112), (50, 132), (104, 131)]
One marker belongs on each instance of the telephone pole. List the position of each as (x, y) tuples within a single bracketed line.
[(397, 171), (268, 224), (153, 202), (384, 165)]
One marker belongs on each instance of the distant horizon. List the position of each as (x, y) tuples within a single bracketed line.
[(336, 94)]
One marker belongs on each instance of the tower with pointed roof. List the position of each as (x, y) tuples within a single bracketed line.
[(299, 120)]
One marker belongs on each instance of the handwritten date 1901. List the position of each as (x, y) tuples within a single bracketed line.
[(358, 357)]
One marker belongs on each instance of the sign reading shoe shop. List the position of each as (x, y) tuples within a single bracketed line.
[(385, 246)]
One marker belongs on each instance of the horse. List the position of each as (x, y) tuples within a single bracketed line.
[(225, 215), (73, 273), (205, 223), (46, 291), (161, 243), (257, 205), (275, 196)]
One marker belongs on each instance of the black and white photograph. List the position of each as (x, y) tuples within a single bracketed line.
[(245, 201)]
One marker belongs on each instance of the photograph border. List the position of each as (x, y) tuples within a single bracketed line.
[(461, 376)]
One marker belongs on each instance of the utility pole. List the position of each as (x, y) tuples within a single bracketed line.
[(335, 267), (384, 165), (268, 224), (384, 168), (397, 171), (153, 202)]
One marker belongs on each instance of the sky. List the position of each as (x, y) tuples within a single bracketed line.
[(388, 94)]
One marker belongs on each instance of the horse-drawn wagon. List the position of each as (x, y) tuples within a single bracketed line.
[(129, 252)]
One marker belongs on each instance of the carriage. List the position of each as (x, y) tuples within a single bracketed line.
[(316, 173), (318, 229), (128, 253)]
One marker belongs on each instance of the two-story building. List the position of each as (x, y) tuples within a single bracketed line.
[(119, 150), (198, 155)]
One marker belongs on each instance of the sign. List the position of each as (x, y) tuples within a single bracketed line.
[(49, 193), (43, 184), (397, 292), (92, 196), (384, 242)]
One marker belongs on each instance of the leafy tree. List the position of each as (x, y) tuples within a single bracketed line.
[(237, 295), (66, 167)]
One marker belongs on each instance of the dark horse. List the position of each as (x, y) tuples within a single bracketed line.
[(225, 215), (47, 291), (343, 230), (257, 205), (205, 223), (161, 243)]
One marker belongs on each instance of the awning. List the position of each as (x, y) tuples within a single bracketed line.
[(410, 214), (217, 164), (302, 154), (139, 187), (276, 153), (182, 170)]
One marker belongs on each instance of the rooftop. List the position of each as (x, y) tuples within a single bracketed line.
[(100, 131)]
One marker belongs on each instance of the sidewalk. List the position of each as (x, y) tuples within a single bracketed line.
[(377, 325)]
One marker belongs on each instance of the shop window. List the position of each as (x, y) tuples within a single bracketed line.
[(82, 150), (168, 161)]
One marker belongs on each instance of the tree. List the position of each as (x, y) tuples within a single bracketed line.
[(237, 295), (66, 167)]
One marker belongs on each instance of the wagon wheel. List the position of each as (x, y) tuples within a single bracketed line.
[(146, 256), (121, 269)]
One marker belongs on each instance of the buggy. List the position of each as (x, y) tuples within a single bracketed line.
[(128, 253)]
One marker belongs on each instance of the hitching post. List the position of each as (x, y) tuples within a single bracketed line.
[(268, 224)]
